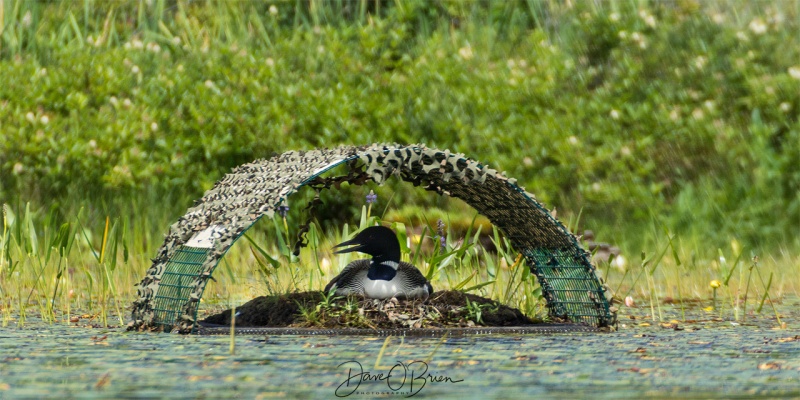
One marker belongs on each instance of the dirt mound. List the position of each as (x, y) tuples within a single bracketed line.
[(280, 310), (312, 309)]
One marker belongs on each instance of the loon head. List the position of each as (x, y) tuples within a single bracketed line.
[(381, 243)]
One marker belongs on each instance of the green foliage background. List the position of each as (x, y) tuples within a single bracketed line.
[(684, 112)]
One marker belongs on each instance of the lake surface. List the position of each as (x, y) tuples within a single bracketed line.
[(709, 357)]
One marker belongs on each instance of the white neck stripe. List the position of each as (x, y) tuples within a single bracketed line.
[(393, 264)]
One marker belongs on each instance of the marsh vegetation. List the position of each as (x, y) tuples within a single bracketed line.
[(668, 129)]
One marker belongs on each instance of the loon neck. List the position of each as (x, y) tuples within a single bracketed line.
[(387, 257), (383, 270)]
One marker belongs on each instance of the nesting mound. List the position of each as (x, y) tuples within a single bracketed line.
[(448, 309)]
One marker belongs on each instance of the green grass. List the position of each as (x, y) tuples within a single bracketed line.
[(53, 272), (689, 109), (667, 128)]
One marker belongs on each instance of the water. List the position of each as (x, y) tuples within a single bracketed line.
[(706, 359)]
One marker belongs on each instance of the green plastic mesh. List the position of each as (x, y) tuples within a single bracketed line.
[(177, 283), (569, 285)]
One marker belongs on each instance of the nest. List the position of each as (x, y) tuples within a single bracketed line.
[(448, 309)]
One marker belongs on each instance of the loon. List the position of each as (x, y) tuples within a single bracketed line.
[(383, 277)]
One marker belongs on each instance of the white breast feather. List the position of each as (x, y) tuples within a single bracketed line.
[(380, 289)]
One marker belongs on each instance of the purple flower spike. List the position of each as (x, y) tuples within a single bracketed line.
[(371, 197), (282, 210), (440, 232)]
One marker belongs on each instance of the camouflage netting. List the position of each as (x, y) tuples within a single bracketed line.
[(169, 294)]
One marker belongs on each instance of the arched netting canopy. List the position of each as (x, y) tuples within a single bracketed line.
[(169, 294)]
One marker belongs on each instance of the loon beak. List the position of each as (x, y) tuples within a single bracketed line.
[(358, 246)]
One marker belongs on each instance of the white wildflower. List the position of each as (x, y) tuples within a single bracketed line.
[(648, 18), (273, 10), (209, 84), (785, 107), (127, 103), (44, 119), (614, 114), (742, 36), (30, 117), (614, 17), (620, 262), (639, 39), (758, 26), (629, 301), (154, 127), (270, 62), (18, 168), (697, 114), (27, 19), (465, 52), (325, 264), (794, 72), (135, 70), (113, 100)]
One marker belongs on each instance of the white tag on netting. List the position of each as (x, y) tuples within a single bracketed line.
[(205, 238)]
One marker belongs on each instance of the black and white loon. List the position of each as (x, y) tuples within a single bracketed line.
[(382, 277)]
